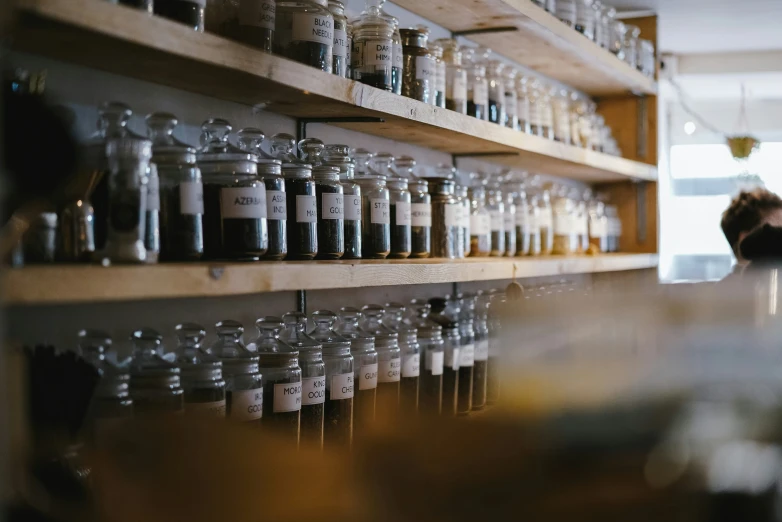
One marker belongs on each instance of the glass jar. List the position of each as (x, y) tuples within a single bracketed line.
[(597, 13), (341, 44), (535, 244), (446, 214), (420, 215), (463, 307), (441, 75), (372, 57), (536, 109), (202, 373), (340, 380), (479, 305), (430, 341), (419, 68), (495, 204), (282, 380), (495, 78), (523, 103), (411, 357), (480, 220), (313, 377), (618, 36), (509, 219), (365, 367), (389, 360), (562, 212), (375, 217), (155, 383), (181, 192), (188, 12), (396, 50), (463, 203), (252, 23), (585, 18), (455, 76), (566, 11), (339, 156), (522, 223), (234, 197), (598, 226), (632, 35), (546, 108), (560, 104), (243, 379), (477, 85), (331, 211), (304, 32), (613, 228), (545, 222), (647, 62), (579, 239), (451, 354), (607, 17), (401, 219), (511, 98)]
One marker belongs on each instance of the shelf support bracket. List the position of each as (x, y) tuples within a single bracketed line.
[(301, 301), (301, 123), (467, 32)]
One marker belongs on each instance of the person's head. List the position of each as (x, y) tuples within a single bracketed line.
[(748, 211)]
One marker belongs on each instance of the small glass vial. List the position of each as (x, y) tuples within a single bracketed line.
[(365, 367), (607, 17), (331, 212), (451, 354), (509, 220), (420, 209), (372, 57), (446, 214), (313, 376), (339, 156), (410, 350), (234, 197), (455, 77), (304, 32), (492, 305), (522, 223), (440, 78), (495, 204), (340, 381), (562, 212), (523, 103), (128, 176), (480, 220), (375, 217), (243, 379), (511, 98), (252, 24), (477, 307), (545, 219), (155, 383), (495, 78), (477, 86), (464, 201), (202, 373), (181, 191), (389, 370), (419, 69), (430, 341), (341, 46), (282, 386), (188, 12)]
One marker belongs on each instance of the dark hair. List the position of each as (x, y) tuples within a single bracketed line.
[(746, 212)]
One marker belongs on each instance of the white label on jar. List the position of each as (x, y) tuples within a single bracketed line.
[(453, 215), (287, 397), (367, 377), (440, 78), (480, 93), (403, 212), (452, 358), (398, 55), (257, 13), (421, 214), (480, 224), (511, 104), (562, 224), (341, 387), (357, 54), (352, 208), (411, 366), (276, 205), (377, 53), (310, 27), (544, 219), (243, 202), (313, 391), (425, 68), (340, 43), (153, 193), (434, 362), (509, 222), (388, 371), (379, 213), (210, 409), (481, 350), (497, 220), (333, 206), (459, 87), (191, 197), (246, 405), (466, 355), (306, 209)]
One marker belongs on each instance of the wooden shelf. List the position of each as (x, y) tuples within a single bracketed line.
[(88, 283), (125, 41), (541, 42)]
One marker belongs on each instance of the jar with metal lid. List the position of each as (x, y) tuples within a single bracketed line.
[(389, 357), (477, 84), (452, 342), (248, 21), (365, 367), (188, 12), (566, 10), (202, 373), (463, 308), (420, 209), (282, 386), (523, 103), (494, 303), (511, 98), (372, 57), (598, 226), (340, 381), (155, 384), (495, 205), (339, 64), (181, 191), (464, 202), (562, 209), (339, 156), (560, 105), (430, 341), (419, 68), (585, 18), (331, 212), (234, 197), (496, 80), (455, 76), (270, 171), (446, 214), (440, 75), (480, 220), (304, 32), (410, 351), (630, 46), (477, 306), (313, 376), (375, 217), (509, 217), (243, 379)]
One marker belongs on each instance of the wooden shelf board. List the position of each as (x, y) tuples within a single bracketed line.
[(541, 42), (125, 41), (89, 283)]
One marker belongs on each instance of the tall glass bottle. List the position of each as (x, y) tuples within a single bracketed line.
[(389, 360), (202, 373), (479, 308), (396, 50), (373, 57), (339, 156), (430, 340), (411, 357), (451, 354), (400, 206), (420, 209), (341, 43), (254, 23), (243, 379), (495, 204), (495, 77), (463, 308), (419, 68), (511, 98), (509, 216), (155, 383), (464, 202), (440, 75), (331, 211), (455, 76), (523, 103), (477, 85), (480, 220), (304, 32)]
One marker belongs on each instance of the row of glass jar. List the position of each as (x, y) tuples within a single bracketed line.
[(597, 21), (319, 386)]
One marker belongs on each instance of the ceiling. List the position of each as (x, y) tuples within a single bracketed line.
[(709, 26)]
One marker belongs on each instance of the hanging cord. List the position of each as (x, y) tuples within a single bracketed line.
[(694, 115)]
